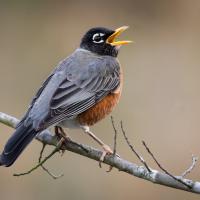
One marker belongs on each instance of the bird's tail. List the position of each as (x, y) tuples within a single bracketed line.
[(16, 144)]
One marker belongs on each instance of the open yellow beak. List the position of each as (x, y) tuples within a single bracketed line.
[(118, 31)]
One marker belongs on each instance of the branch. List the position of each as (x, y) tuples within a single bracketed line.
[(134, 151), (41, 163), (44, 168), (122, 165), (187, 171), (179, 179)]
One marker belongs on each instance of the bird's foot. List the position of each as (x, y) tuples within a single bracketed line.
[(106, 151), (62, 136)]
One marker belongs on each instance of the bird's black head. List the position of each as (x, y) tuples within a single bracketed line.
[(101, 41)]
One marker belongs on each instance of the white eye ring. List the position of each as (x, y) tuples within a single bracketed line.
[(97, 35)]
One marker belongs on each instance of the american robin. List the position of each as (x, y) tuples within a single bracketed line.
[(83, 89)]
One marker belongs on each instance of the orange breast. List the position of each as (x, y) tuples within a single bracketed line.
[(100, 110)]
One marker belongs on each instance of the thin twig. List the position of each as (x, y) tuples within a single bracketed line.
[(41, 152), (44, 168), (191, 167), (162, 168), (133, 149), (43, 161), (115, 141), (115, 136)]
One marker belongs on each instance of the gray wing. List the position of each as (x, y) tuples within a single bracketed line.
[(26, 117), (77, 85)]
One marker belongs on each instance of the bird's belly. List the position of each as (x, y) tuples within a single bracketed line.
[(100, 110), (69, 123)]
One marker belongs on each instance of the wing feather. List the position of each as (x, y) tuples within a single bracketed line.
[(75, 86)]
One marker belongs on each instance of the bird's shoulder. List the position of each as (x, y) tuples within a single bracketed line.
[(83, 64)]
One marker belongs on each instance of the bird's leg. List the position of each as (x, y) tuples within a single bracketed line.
[(62, 135), (106, 148)]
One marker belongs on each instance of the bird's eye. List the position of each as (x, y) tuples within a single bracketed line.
[(98, 38)]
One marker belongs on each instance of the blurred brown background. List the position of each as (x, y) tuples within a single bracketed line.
[(160, 102)]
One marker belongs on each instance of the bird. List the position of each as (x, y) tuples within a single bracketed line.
[(82, 90)]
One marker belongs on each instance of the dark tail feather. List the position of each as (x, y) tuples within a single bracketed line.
[(16, 144)]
